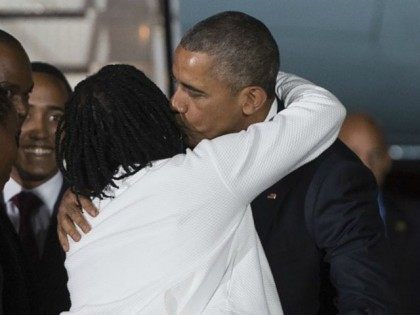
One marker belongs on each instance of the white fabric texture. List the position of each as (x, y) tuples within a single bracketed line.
[(48, 192), (179, 237)]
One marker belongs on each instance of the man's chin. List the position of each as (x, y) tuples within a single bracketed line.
[(191, 138), (35, 175)]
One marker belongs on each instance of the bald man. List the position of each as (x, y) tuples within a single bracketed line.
[(364, 137)]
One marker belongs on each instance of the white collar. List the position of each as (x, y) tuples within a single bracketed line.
[(48, 192), (273, 110)]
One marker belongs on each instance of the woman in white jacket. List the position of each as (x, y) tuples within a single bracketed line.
[(175, 233)]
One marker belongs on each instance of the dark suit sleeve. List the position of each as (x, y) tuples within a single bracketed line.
[(346, 224), (1, 290)]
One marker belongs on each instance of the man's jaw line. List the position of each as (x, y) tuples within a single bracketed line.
[(27, 180)]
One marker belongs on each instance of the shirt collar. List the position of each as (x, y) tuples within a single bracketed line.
[(273, 110), (48, 192)]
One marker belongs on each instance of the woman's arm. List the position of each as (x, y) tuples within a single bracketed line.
[(251, 161)]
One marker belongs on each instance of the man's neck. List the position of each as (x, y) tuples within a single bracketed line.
[(28, 183), (260, 115)]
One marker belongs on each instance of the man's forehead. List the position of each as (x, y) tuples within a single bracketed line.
[(48, 92), (197, 71), (14, 54), (15, 71), (192, 59)]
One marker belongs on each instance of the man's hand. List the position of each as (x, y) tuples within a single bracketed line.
[(70, 214)]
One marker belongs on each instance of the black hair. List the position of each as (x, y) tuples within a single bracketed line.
[(116, 123), (243, 48), (6, 105), (47, 68)]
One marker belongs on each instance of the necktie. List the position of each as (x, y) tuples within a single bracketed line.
[(28, 205)]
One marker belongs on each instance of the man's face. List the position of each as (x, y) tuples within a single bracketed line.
[(36, 155), (369, 146), (16, 76), (8, 145), (206, 106)]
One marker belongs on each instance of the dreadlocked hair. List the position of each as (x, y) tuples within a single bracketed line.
[(116, 122)]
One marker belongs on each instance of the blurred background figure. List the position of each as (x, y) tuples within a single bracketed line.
[(8, 137), (16, 83), (15, 73), (34, 188), (364, 137), (400, 212), (8, 145)]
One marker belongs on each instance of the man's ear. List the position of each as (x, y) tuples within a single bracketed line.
[(253, 99)]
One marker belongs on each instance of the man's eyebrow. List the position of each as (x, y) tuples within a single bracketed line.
[(8, 85), (55, 107), (50, 107), (191, 88), (15, 87)]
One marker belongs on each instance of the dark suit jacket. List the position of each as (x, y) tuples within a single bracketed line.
[(403, 227), (1, 290), (15, 295), (47, 282), (324, 239)]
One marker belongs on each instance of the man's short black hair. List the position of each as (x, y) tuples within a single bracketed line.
[(243, 48), (46, 68)]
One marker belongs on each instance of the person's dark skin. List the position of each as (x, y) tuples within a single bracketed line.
[(36, 162), (70, 214), (8, 131), (361, 134), (16, 80), (206, 109), (16, 76)]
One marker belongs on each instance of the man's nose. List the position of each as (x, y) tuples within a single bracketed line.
[(177, 104), (37, 128)]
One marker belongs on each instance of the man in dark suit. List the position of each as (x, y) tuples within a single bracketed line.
[(321, 229), (32, 194), (321, 232), (16, 82), (398, 201), (364, 137), (8, 142)]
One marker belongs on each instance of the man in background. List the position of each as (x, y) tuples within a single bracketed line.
[(16, 81), (364, 137), (9, 131), (35, 188), (362, 134), (8, 144), (319, 226)]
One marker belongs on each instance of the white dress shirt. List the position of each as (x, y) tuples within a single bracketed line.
[(179, 237), (48, 192)]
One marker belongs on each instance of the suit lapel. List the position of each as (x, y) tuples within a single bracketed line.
[(51, 241), (280, 104), (6, 224), (15, 273), (266, 206)]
